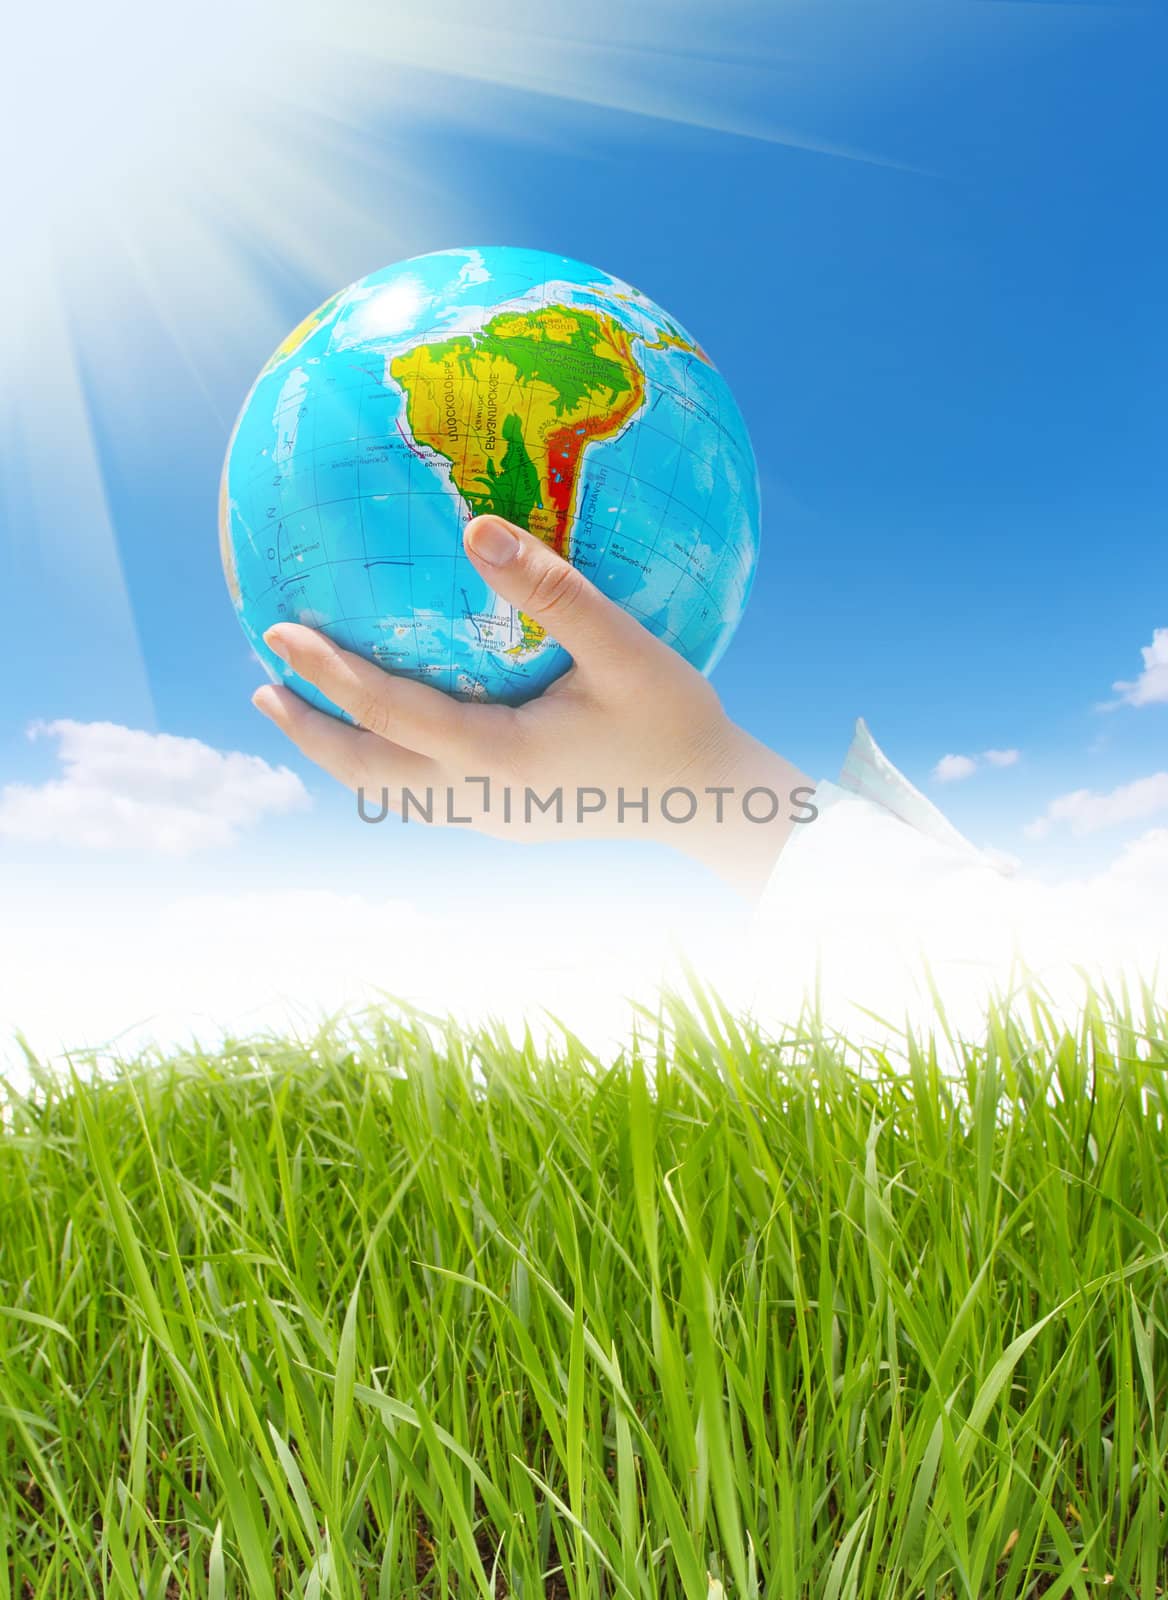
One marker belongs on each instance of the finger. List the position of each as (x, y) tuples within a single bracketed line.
[(353, 756), (545, 587), (411, 714)]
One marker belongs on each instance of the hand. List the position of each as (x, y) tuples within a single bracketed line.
[(629, 721)]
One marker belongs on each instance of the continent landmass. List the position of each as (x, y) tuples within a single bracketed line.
[(226, 548), (514, 406), (303, 331)]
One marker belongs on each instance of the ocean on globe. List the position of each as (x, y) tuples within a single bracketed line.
[(485, 380)]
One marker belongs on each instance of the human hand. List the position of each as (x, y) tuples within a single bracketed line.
[(631, 737)]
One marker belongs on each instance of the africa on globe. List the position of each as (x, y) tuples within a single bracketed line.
[(484, 380)]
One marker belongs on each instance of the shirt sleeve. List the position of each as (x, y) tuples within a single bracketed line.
[(877, 899), (880, 913)]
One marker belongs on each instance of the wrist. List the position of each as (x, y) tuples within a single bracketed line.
[(756, 798)]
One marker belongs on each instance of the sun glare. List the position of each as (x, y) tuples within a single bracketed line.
[(158, 161), (97, 98)]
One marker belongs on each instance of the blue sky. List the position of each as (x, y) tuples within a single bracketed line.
[(926, 250)]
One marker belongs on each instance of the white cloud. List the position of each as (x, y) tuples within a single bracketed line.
[(955, 768), (952, 769), (80, 971), (1151, 687), (1089, 810), (1143, 865), (126, 789), (84, 967)]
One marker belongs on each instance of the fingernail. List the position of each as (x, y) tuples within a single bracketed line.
[(492, 541), (275, 642), (266, 700)]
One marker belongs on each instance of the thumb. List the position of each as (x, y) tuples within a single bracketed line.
[(527, 572)]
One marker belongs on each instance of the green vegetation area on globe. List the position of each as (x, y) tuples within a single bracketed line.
[(409, 1311), (486, 380)]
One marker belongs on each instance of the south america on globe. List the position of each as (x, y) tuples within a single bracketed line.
[(485, 380)]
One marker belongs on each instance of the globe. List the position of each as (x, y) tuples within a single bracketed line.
[(485, 380)]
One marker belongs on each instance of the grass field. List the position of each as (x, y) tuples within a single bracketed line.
[(406, 1311)]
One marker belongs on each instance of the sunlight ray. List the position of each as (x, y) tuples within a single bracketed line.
[(58, 526), (614, 67), (169, 189)]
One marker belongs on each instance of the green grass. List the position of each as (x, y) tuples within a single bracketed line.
[(414, 1311)]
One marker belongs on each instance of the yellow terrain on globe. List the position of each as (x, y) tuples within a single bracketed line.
[(303, 331)]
